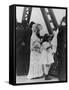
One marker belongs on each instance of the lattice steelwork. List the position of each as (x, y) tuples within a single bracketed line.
[(27, 14), (50, 19)]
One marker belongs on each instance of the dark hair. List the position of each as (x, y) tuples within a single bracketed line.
[(30, 25), (47, 37), (63, 20)]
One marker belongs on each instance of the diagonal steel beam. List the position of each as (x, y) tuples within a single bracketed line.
[(53, 18), (27, 14), (47, 22)]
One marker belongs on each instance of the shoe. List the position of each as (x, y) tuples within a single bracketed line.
[(47, 77)]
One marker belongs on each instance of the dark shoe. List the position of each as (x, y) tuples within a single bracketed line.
[(47, 77), (38, 77)]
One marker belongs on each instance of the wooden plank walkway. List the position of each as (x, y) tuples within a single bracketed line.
[(23, 79)]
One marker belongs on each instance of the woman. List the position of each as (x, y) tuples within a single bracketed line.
[(35, 68)]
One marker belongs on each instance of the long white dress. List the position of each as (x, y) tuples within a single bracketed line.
[(35, 68)]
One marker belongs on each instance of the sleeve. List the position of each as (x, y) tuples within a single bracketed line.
[(52, 50), (45, 45), (54, 45)]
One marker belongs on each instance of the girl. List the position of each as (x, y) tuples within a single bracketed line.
[(49, 47)]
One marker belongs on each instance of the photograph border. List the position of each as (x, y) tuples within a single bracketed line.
[(38, 6)]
